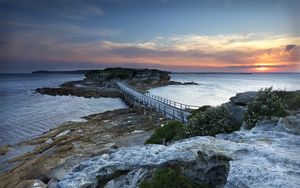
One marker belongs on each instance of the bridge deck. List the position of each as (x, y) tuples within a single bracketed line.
[(170, 109)]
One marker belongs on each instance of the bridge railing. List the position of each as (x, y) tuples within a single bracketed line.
[(166, 110), (172, 103), (168, 101), (169, 108)]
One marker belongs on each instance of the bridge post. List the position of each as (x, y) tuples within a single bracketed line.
[(174, 114), (159, 107), (182, 117)]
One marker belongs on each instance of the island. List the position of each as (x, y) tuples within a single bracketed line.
[(101, 83)]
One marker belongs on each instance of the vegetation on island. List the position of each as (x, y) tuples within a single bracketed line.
[(290, 99), (126, 73), (166, 178)]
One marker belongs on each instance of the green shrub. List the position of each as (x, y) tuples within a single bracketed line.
[(168, 178), (210, 121), (173, 130), (291, 99), (265, 105), (200, 109)]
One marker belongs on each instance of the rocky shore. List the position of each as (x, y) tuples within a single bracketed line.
[(266, 156), (55, 153)]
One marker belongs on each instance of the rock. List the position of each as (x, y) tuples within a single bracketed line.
[(235, 111), (86, 91), (243, 98), (131, 179), (182, 83), (85, 139), (31, 184), (289, 124), (49, 141), (190, 83), (137, 131), (4, 149), (63, 133), (52, 183), (260, 157)]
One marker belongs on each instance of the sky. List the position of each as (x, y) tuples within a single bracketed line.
[(174, 35)]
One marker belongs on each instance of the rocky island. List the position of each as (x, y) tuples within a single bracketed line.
[(251, 141), (101, 83)]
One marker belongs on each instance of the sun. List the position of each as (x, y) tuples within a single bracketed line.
[(262, 69)]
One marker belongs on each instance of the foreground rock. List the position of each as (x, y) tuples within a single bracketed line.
[(31, 184), (57, 152), (243, 99), (266, 156)]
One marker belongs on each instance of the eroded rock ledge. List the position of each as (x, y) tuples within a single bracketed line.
[(266, 156), (58, 151)]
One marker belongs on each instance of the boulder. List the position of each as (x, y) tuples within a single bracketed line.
[(289, 124), (35, 183), (243, 99), (236, 112), (4, 149), (131, 179), (52, 183)]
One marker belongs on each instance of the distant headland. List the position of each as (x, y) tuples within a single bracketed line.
[(60, 72)]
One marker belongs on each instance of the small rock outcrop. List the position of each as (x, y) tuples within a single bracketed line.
[(237, 105), (243, 99), (35, 183), (265, 156)]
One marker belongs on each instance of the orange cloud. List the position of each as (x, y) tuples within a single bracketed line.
[(239, 52)]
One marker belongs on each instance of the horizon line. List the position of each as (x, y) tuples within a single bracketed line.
[(172, 72)]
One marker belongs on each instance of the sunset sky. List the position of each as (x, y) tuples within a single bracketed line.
[(175, 35)]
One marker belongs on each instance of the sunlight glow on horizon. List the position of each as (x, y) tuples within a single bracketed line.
[(92, 35)]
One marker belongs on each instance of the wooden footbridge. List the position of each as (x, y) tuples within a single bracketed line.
[(168, 108)]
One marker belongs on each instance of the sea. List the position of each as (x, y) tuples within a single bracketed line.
[(25, 114), (215, 89)]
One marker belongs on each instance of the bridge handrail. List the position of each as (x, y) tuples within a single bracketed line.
[(171, 102), (167, 101), (167, 107)]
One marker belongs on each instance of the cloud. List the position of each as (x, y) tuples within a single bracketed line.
[(289, 47), (81, 11), (3, 43), (257, 66), (55, 9), (57, 30), (198, 52)]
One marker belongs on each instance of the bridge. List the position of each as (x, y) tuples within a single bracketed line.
[(168, 108)]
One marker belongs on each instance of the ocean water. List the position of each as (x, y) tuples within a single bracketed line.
[(215, 89), (25, 114)]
